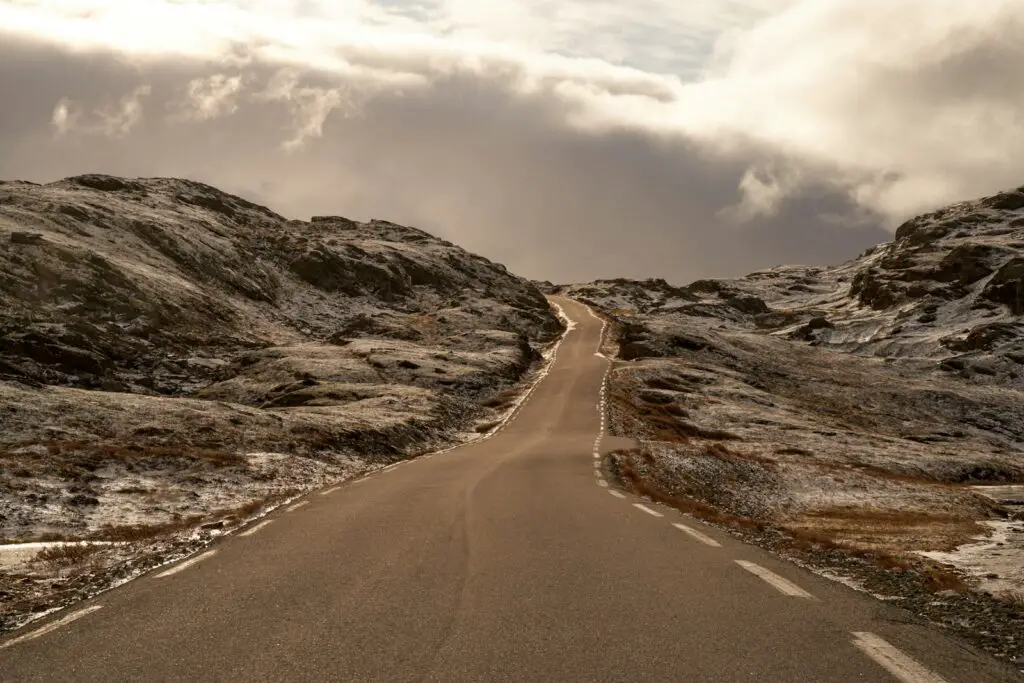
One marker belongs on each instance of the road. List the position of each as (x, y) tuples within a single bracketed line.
[(511, 559)]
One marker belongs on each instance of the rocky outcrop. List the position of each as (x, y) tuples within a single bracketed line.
[(117, 282)]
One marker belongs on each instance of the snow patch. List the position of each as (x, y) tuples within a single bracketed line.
[(996, 559)]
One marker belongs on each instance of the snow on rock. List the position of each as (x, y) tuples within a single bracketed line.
[(171, 354), (860, 402)]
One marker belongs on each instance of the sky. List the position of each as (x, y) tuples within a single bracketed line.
[(568, 140)]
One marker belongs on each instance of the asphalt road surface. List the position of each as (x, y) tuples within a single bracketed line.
[(512, 559)]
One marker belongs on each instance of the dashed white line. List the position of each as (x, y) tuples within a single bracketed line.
[(602, 483), (703, 538), (617, 494), (52, 626), (295, 507), (892, 660), (780, 584), (653, 513), (329, 491), (597, 473), (187, 563), (250, 532)]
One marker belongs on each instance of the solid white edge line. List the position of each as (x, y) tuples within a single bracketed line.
[(653, 513), (893, 660), (187, 563), (295, 507), (52, 626), (617, 494), (329, 491), (777, 582), (706, 540), (251, 531)]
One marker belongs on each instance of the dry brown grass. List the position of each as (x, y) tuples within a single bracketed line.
[(934, 578), (634, 481), (1014, 598), (793, 450), (502, 399), (136, 533), (130, 453), (664, 422), (895, 526), (61, 556), (887, 531)]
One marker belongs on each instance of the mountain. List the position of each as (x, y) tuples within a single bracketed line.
[(169, 350), (949, 288), (873, 406)]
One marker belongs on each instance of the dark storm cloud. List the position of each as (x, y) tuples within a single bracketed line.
[(469, 157)]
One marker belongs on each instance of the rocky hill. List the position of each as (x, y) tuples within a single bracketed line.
[(949, 288), (874, 408), (172, 354)]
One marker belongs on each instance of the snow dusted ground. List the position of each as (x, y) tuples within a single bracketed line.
[(175, 361), (866, 419)]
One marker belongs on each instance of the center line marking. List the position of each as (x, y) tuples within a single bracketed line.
[(780, 584), (616, 494), (330, 490), (640, 506), (187, 563), (250, 532), (892, 660), (52, 626), (706, 540), (297, 506)]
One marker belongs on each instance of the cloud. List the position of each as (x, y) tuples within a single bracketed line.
[(657, 137), (64, 119), (310, 105), (211, 97), (111, 120)]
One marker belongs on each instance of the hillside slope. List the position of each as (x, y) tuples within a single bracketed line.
[(863, 416), (172, 354)]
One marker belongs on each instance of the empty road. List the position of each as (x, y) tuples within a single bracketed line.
[(512, 559)]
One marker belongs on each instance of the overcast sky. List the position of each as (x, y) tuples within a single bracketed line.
[(569, 140)]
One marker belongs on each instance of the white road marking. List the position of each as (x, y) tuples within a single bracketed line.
[(329, 491), (597, 473), (187, 563), (602, 483), (706, 540), (250, 532), (641, 506), (616, 494), (52, 626), (780, 584), (295, 507), (892, 660)]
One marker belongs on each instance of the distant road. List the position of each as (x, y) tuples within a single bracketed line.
[(509, 560)]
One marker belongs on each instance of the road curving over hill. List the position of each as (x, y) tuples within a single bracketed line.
[(511, 559)]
